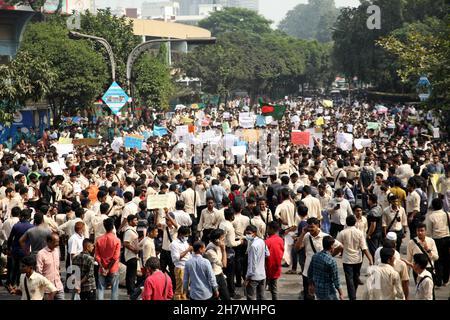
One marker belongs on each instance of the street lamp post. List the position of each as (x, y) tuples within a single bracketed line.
[(104, 43), (141, 48)]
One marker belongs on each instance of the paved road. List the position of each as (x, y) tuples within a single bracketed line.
[(289, 285)]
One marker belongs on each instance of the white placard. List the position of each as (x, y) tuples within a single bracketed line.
[(157, 201), (295, 119), (436, 134), (181, 131), (344, 141), (349, 128), (63, 149), (247, 120), (362, 143), (229, 140), (239, 150), (117, 144), (56, 168)]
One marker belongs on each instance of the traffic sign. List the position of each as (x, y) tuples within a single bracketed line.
[(115, 98)]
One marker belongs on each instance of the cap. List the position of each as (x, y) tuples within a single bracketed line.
[(391, 236)]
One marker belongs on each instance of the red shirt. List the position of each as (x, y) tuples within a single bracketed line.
[(107, 248), (275, 244), (154, 287)]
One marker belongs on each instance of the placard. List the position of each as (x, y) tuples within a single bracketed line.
[(63, 149), (251, 135), (133, 141), (181, 131), (157, 201), (65, 140), (56, 168), (246, 120), (362, 143), (344, 141), (239, 150), (117, 144), (300, 138), (373, 125), (86, 142)]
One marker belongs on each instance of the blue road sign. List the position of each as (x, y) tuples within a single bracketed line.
[(115, 98)]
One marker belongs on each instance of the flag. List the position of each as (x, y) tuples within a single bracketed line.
[(275, 111), (159, 131)]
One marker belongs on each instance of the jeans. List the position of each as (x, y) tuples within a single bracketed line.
[(180, 294), (335, 229), (442, 265), (352, 272), (255, 290), (230, 272), (103, 282), (223, 288), (325, 223), (273, 288), (131, 275)]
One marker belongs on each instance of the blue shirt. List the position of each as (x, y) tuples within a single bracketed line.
[(323, 273), (257, 254), (18, 231), (218, 193), (199, 274)]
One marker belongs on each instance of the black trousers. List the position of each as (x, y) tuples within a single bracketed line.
[(442, 265), (335, 229), (352, 272), (306, 295), (223, 287), (168, 266), (15, 272), (130, 278), (193, 228), (230, 272), (88, 295), (374, 243), (241, 263)]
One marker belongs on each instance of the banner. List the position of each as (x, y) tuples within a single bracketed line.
[(157, 201), (86, 142), (134, 141), (159, 131), (300, 138)]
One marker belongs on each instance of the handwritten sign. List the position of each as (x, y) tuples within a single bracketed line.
[(86, 142), (133, 141), (300, 138), (157, 201)]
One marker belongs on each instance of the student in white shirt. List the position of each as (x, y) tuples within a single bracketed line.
[(424, 283), (180, 251), (75, 243)]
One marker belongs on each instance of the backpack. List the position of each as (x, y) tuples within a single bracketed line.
[(239, 198), (423, 202), (367, 177)]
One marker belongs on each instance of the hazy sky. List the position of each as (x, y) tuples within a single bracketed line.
[(274, 10)]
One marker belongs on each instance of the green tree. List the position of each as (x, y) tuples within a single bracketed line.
[(118, 31), (311, 21), (152, 82), (81, 74), (236, 19)]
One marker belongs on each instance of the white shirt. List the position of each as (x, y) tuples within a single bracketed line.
[(189, 196), (130, 235), (182, 218), (317, 242), (340, 215), (353, 241), (286, 212), (75, 245), (147, 245), (37, 286), (314, 207), (176, 248)]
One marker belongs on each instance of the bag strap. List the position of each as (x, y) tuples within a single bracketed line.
[(168, 234), (424, 252), (393, 220), (448, 220), (25, 282), (312, 244)]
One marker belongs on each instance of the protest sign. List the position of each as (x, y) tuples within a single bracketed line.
[(56, 168), (63, 149), (117, 144), (295, 119), (373, 125), (327, 103), (362, 143), (246, 120), (229, 140), (134, 141), (182, 131), (226, 115), (226, 128), (239, 150), (260, 120), (86, 142), (159, 131), (157, 201), (146, 135), (300, 138), (344, 141), (65, 140), (251, 135), (349, 128), (320, 121), (436, 134)]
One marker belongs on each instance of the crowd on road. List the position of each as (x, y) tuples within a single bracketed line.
[(230, 224)]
